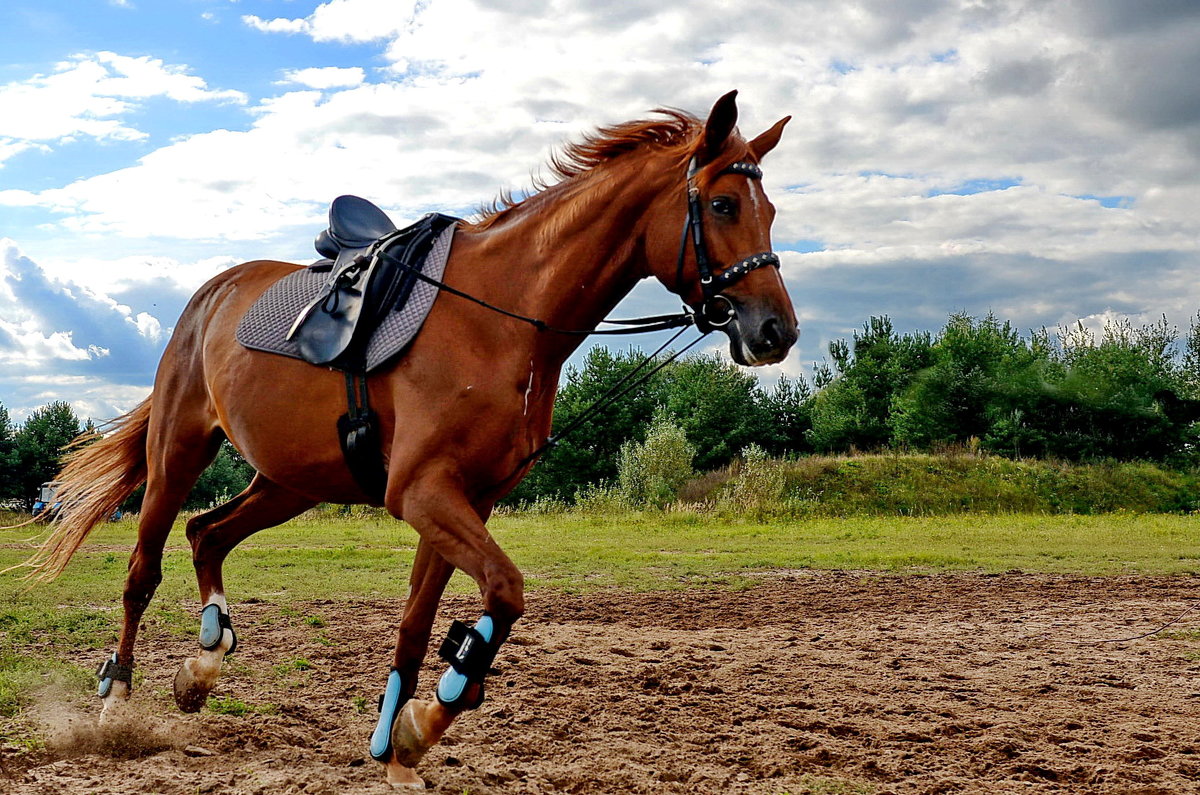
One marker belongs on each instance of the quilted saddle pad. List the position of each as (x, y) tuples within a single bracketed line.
[(266, 324)]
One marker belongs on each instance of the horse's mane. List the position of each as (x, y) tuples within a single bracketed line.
[(597, 149)]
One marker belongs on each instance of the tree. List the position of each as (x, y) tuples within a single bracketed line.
[(228, 475), (855, 408), (960, 395), (40, 447), (9, 482), (589, 453), (789, 406), (720, 407), (653, 471)]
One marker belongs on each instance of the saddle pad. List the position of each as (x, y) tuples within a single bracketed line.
[(266, 324)]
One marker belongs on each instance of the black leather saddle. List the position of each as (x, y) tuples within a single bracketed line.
[(372, 267), (354, 224)]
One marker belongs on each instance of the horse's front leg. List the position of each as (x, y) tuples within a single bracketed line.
[(430, 573), (453, 529)]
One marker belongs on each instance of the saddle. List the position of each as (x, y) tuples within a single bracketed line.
[(372, 269)]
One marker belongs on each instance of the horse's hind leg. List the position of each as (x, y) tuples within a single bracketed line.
[(175, 461), (213, 535)]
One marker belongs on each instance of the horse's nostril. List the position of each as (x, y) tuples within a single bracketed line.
[(770, 334)]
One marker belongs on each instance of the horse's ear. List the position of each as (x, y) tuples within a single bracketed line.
[(767, 141), (718, 127)]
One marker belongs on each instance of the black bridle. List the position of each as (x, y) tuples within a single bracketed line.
[(712, 315), (712, 284)]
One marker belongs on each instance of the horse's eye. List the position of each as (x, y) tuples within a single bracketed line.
[(723, 205)]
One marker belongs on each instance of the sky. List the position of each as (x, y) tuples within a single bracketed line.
[(1039, 160)]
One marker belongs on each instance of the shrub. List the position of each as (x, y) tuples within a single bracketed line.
[(653, 471), (758, 487)]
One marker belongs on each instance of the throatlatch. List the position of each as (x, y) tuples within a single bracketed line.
[(470, 652), (111, 671), (213, 622), (390, 704)]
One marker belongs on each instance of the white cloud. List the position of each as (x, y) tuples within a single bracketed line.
[(345, 20), (87, 95), (277, 25), (55, 328), (325, 77)]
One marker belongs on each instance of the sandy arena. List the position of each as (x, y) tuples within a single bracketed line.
[(810, 683)]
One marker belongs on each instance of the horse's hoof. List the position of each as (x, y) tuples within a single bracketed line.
[(114, 703), (420, 725), (191, 694), (401, 777)]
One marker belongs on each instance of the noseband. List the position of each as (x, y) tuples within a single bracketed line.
[(713, 284)]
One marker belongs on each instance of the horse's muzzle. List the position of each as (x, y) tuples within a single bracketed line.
[(758, 337)]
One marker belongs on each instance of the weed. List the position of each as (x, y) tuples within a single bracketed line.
[(291, 666), (229, 705)]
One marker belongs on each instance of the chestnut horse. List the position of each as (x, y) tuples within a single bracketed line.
[(461, 412)]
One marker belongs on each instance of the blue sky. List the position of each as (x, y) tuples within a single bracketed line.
[(1041, 161)]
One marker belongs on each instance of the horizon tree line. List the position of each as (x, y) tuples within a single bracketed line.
[(1128, 393)]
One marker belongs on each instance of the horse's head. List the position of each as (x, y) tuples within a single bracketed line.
[(725, 269)]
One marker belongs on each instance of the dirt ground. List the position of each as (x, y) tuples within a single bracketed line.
[(809, 683)]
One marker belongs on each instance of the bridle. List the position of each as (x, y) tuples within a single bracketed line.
[(712, 285)]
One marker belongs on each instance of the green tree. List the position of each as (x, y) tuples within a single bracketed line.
[(1115, 398), (974, 365), (855, 408), (9, 481), (589, 453), (225, 477), (720, 407), (789, 406), (40, 447), (652, 472)]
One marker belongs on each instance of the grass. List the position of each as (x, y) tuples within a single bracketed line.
[(228, 705), (367, 556), (370, 558)]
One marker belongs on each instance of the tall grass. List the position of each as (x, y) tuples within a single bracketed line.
[(913, 484)]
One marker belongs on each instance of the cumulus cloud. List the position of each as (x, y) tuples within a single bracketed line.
[(86, 96), (56, 335), (323, 77)]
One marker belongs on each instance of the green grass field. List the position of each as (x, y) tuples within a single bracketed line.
[(369, 556)]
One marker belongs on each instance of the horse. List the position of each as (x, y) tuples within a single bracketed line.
[(462, 413)]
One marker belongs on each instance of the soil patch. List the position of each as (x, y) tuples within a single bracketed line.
[(809, 682)]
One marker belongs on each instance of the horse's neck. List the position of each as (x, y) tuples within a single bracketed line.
[(569, 256)]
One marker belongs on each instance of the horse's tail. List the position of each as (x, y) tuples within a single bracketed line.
[(99, 473)]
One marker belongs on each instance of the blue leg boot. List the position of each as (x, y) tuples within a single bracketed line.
[(470, 652)]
